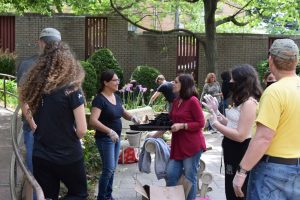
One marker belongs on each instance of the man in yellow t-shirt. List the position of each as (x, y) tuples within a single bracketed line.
[(273, 155)]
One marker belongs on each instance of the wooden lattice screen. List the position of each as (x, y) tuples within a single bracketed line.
[(95, 34), (187, 55), (7, 33)]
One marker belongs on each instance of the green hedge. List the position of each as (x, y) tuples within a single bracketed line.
[(145, 76), (89, 85), (7, 63), (263, 66), (11, 86), (103, 59)]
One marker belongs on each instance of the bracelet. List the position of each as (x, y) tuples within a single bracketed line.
[(185, 126), (242, 170)]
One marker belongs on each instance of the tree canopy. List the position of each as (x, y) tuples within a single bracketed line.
[(207, 16)]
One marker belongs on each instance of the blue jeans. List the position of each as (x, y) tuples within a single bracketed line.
[(109, 153), (271, 181), (189, 168), (28, 141)]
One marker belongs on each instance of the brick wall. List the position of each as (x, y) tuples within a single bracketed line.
[(133, 49), (29, 26)]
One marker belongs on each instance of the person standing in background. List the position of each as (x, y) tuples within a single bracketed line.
[(225, 76), (165, 88), (269, 79), (23, 69), (212, 87)]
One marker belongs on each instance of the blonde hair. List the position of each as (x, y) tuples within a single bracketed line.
[(55, 68), (160, 78), (208, 77)]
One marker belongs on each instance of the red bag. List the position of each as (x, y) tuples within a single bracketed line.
[(130, 156)]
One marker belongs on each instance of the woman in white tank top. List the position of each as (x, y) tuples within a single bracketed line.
[(238, 125)]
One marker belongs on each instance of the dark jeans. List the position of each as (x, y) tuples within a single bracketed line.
[(49, 175), (109, 153), (233, 153)]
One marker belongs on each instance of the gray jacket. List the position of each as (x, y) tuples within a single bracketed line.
[(162, 156)]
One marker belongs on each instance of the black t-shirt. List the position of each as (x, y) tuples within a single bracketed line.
[(167, 90), (225, 89), (55, 138), (110, 114)]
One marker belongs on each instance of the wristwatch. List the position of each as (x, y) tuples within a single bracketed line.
[(241, 170)]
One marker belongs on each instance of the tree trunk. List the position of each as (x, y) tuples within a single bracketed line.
[(210, 49)]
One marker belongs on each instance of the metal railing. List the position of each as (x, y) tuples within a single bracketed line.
[(17, 159), (4, 89)]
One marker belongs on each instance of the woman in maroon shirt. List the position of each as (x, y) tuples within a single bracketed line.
[(187, 138)]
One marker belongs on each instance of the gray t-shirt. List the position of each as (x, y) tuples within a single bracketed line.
[(23, 69), (212, 89), (25, 66)]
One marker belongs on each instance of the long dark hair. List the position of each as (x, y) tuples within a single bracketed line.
[(106, 76), (246, 84), (188, 87)]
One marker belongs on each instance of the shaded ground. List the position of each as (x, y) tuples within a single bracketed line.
[(126, 174)]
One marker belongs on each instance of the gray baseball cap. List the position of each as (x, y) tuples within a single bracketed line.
[(286, 49), (50, 33)]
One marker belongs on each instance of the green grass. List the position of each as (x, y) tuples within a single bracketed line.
[(11, 86)]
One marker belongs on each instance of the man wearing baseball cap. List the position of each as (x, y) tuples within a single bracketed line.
[(47, 35), (273, 155)]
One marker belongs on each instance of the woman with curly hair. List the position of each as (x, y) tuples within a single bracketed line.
[(238, 125), (53, 104)]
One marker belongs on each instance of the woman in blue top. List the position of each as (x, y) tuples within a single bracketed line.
[(106, 114)]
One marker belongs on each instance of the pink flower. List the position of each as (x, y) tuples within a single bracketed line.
[(128, 87), (143, 90)]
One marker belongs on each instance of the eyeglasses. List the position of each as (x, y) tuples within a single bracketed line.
[(115, 80)]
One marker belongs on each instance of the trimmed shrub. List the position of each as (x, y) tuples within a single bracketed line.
[(145, 76), (103, 59), (89, 85), (7, 62), (263, 66)]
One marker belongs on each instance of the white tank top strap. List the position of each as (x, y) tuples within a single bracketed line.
[(254, 100)]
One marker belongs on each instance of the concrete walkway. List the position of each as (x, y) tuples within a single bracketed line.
[(5, 153), (126, 174)]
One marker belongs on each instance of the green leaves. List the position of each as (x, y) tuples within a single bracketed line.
[(278, 17)]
